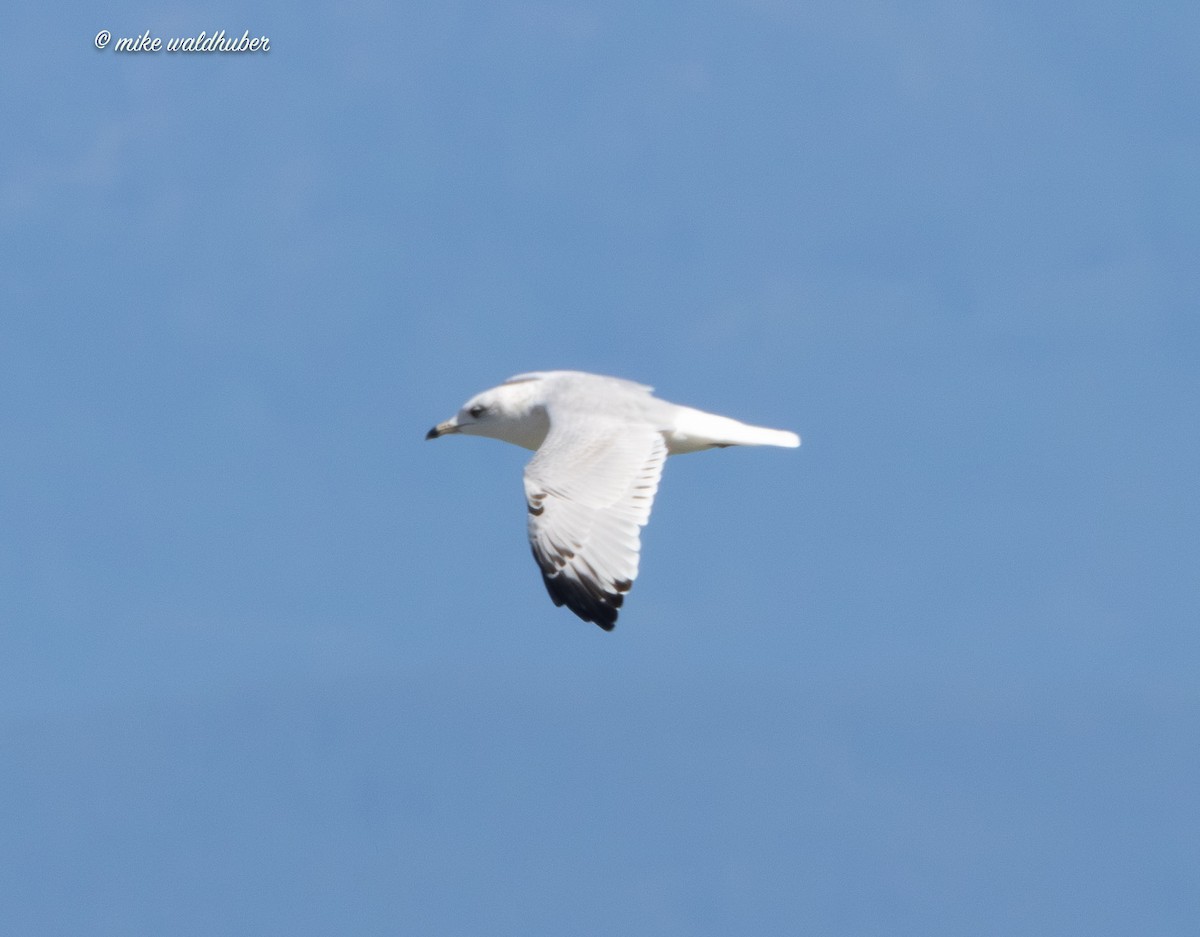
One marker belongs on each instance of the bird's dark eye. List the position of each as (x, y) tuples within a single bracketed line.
[(477, 411)]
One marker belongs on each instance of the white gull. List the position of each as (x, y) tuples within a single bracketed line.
[(600, 446)]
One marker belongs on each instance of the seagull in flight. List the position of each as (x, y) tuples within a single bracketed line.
[(599, 446)]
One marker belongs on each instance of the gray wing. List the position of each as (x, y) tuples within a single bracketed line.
[(589, 493)]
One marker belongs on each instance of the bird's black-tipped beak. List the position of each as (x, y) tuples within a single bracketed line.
[(442, 429)]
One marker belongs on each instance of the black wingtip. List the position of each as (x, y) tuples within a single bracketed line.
[(433, 434), (589, 603)]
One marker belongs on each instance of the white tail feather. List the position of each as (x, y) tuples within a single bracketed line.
[(695, 430)]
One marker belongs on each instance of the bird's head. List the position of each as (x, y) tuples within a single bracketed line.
[(510, 412)]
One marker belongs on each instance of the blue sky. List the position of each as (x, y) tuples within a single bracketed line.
[(272, 664)]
